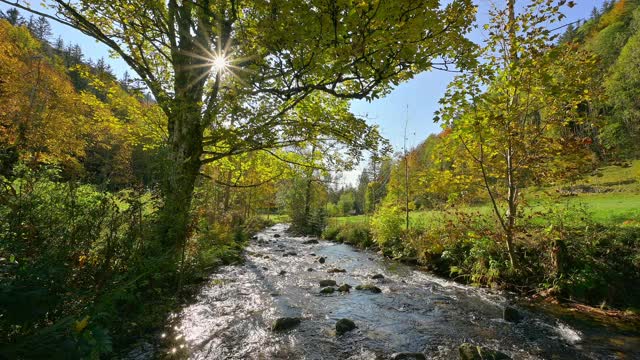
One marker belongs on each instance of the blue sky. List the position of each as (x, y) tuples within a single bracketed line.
[(420, 94)]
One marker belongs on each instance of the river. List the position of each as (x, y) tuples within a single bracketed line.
[(232, 315)]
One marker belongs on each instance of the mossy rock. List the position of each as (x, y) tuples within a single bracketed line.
[(344, 326), (285, 323), (370, 288), (328, 282), (327, 290)]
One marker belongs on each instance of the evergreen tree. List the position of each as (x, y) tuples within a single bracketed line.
[(13, 17)]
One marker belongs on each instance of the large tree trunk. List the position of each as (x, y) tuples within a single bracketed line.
[(185, 125), (185, 144)]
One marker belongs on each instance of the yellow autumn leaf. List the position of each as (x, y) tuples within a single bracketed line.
[(80, 325)]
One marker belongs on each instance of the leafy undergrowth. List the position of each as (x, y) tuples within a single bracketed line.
[(559, 253), (82, 271)]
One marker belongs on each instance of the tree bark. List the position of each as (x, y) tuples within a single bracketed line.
[(182, 171)]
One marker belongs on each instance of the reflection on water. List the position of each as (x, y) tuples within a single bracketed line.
[(416, 312)]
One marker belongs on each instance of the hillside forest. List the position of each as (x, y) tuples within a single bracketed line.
[(120, 195)]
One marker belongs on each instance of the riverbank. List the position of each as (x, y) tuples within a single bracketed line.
[(234, 313), (589, 264)]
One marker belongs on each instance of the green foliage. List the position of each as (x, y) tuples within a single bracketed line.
[(604, 266), (357, 234), (622, 132), (70, 249), (387, 227), (81, 270)]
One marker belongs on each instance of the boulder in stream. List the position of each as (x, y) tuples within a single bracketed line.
[(336, 270), (368, 287), (328, 282), (327, 290), (282, 272), (377, 276), (312, 241), (276, 235), (322, 259), (472, 352), (285, 323), (309, 269), (510, 314), (289, 253), (408, 356), (344, 325), (344, 288)]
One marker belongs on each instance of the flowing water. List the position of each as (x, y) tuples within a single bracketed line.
[(416, 312)]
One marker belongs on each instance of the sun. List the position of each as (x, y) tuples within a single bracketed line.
[(220, 63)]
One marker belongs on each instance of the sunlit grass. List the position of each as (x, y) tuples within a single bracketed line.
[(620, 205)]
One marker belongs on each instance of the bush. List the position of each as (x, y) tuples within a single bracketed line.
[(387, 227), (603, 266), (356, 234), (69, 252)]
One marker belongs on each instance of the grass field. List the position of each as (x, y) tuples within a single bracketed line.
[(278, 218), (611, 197)]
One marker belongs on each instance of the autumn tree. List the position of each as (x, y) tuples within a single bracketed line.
[(622, 131), (230, 71), (511, 115)]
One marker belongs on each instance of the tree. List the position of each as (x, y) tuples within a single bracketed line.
[(228, 73), (517, 132), (361, 191), (622, 131), (13, 17), (40, 28)]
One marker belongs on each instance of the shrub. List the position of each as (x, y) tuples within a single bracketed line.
[(69, 252), (356, 234), (387, 227)]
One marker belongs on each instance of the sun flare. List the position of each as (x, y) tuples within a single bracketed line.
[(220, 63)]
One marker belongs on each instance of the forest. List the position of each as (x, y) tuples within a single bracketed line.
[(121, 195)]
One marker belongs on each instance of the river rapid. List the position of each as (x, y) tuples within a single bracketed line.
[(416, 312)]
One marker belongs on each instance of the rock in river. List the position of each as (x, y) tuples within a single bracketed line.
[(327, 290), (408, 356), (377, 276), (285, 323), (329, 282), (282, 272), (344, 325), (344, 288), (276, 235), (368, 287), (336, 270), (321, 260), (511, 314), (472, 352), (312, 241)]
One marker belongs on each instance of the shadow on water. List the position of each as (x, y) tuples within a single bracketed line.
[(415, 312)]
